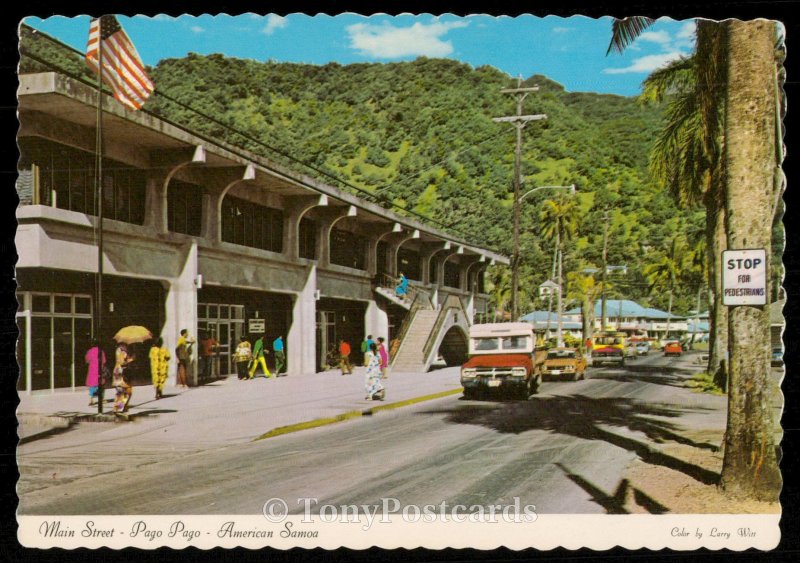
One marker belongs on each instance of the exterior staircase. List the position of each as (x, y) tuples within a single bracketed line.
[(411, 355), (389, 294)]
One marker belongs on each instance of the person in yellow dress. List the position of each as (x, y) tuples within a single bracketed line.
[(159, 366)]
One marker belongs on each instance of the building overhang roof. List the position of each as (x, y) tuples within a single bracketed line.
[(71, 108)]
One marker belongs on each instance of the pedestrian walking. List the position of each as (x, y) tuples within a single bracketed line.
[(402, 287), (372, 379), (208, 349), (159, 366), (259, 351), (123, 388), (242, 357), (365, 348), (96, 362), (344, 357), (183, 355), (384, 356), (280, 355)]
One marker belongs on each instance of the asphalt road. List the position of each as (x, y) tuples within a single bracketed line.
[(564, 451)]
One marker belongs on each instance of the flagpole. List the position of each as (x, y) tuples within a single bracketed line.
[(99, 168)]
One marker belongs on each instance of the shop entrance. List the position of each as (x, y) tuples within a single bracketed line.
[(224, 323), (338, 319)]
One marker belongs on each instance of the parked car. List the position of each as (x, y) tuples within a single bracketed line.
[(673, 348), (642, 348), (568, 362), (777, 356)]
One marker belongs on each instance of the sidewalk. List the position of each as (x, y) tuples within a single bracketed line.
[(225, 411)]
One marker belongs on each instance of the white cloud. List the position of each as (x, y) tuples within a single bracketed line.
[(646, 64), (197, 29), (687, 30), (388, 42), (274, 22), (659, 37), (562, 29)]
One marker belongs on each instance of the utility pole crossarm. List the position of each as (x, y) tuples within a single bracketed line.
[(519, 90), (515, 118)]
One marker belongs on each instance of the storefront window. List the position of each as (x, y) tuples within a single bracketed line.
[(58, 340)]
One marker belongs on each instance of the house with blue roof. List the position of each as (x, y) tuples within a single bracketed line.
[(631, 317), (546, 323)]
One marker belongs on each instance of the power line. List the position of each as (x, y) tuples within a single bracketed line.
[(246, 136)]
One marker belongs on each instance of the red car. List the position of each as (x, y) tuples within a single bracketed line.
[(673, 349)]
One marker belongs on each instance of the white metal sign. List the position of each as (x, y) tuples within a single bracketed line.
[(256, 326), (744, 279)]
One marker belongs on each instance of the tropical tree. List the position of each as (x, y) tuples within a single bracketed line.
[(687, 157), (751, 182), (585, 289), (664, 274), (559, 223), (752, 162)]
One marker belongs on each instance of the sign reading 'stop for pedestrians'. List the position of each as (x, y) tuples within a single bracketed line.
[(744, 279)]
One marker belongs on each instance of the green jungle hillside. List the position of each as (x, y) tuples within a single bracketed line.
[(419, 135)]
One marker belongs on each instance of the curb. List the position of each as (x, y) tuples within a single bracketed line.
[(317, 422)]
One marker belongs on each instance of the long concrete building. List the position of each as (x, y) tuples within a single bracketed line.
[(203, 235)]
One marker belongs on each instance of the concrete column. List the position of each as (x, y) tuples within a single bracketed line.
[(394, 247), (428, 250), (375, 236), (155, 202), (217, 187), (181, 308), (301, 342), (295, 208), (376, 322), (464, 272), (166, 164), (326, 223)]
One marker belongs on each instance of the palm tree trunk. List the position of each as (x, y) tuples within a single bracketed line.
[(750, 466), (717, 242)]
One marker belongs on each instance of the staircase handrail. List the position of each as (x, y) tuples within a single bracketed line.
[(421, 301), (452, 302), (391, 282)]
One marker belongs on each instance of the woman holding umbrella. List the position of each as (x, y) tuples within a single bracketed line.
[(125, 337)]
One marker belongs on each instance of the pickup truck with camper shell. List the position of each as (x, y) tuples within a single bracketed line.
[(502, 357)]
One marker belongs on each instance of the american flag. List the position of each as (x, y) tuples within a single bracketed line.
[(123, 70)]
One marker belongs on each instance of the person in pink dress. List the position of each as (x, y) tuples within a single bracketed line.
[(384, 354), (96, 360)]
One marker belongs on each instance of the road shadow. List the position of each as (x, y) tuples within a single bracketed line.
[(658, 375), (615, 503), (589, 418)]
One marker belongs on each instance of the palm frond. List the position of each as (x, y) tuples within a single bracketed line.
[(625, 31)]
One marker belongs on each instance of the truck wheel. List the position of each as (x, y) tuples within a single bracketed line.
[(470, 393)]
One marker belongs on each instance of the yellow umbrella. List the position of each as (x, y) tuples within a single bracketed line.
[(133, 334)]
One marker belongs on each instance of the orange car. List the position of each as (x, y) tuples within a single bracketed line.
[(568, 362), (673, 349)]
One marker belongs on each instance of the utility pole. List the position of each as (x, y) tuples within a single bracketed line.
[(518, 121), (559, 330), (605, 273)]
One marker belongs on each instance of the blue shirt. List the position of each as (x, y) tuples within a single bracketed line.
[(277, 346)]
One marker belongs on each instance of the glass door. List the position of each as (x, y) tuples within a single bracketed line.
[(62, 352), (223, 337)]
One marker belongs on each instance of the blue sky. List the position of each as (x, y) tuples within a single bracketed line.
[(571, 51)]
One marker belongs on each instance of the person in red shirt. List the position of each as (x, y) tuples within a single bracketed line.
[(344, 357), (208, 350)]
